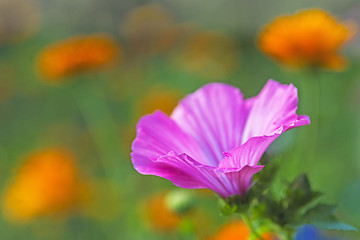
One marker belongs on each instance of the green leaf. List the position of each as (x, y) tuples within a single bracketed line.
[(320, 212), (322, 216), (299, 192), (334, 226)]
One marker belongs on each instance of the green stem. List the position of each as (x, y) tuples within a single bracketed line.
[(247, 221), (289, 234), (305, 149), (317, 113), (314, 108), (100, 124)]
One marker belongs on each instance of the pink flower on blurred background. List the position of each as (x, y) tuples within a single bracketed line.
[(214, 138)]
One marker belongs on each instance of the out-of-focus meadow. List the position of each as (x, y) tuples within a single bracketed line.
[(76, 76)]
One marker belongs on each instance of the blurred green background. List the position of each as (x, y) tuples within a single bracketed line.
[(94, 114)]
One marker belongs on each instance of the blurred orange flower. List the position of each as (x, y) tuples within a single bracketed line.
[(47, 183), (158, 98), (269, 236), (150, 29), (309, 38), (237, 230), (158, 215), (210, 54), (77, 55), (233, 231)]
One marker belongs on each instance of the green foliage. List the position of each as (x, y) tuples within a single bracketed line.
[(299, 192), (235, 204), (297, 206), (323, 216)]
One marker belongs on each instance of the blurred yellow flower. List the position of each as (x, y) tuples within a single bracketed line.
[(48, 183), (210, 54), (158, 216), (309, 38), (150, 29), (77, 55)]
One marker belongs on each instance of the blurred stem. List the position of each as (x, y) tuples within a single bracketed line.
[(317, 110), (305, 149), (313, 87), (187, 229), (247, 221), (100, 124), (289, 235)]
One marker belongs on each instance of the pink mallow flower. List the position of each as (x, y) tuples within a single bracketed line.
[(215, 138)]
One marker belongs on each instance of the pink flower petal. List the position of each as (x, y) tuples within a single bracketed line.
[(275, 106), (250, 152), (241, 180), (180, 169), (185, 172), (188, 147), (215, 115), (157, 135)]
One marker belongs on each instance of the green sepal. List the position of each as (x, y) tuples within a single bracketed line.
[(323, 216), (236, 204), (225, 208), (299, 193)]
